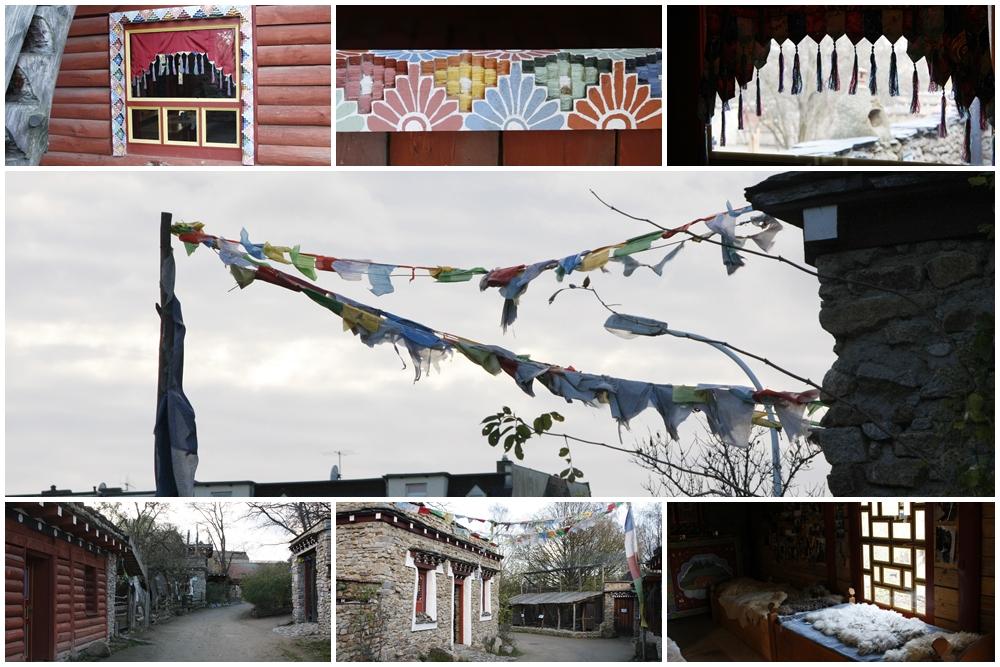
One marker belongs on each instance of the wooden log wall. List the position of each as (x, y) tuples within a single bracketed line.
[(293, 85), (75, 625), (987, 608), (800, 571), (558, 148)]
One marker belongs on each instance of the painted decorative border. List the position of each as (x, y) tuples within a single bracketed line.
[(116, 22), (413, 101)]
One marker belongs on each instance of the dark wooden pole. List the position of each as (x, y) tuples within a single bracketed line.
[(970, 551), (166, 328)]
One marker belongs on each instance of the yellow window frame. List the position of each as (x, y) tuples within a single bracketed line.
[(166, 139), (131, 127), (203, 130)]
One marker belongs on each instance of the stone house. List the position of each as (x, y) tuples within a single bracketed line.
[(424, 585), (907, 287), (311, 566)]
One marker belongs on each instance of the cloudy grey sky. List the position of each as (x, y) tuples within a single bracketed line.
[(274, 379)]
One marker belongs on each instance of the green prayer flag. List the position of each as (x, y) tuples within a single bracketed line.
[(190, 247), (637, 244), (684, 394), (243, 276), (460, 275), (327, 302), (304, 263), (480, 357)]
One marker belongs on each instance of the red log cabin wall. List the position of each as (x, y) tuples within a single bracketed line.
[(292, 79), (61, 569)]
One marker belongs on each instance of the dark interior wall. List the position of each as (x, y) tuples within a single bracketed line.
[(726, 519), (685, 133)]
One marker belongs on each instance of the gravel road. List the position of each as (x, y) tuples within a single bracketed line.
[(543, 648), (227, 634)]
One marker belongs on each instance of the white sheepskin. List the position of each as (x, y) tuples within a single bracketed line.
[(673, 652), (747, 600), (921, 649), (867, 627)]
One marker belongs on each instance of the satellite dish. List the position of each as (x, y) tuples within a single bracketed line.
[(103, 487), (334, 474)]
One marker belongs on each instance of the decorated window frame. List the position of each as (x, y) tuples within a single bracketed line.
[(424, 600), (897, 556), (121, 99), (495, 89), (132, 126)]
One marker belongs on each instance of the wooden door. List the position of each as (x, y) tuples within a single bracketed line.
[(38, 630), (459, 611), (625, 616), (310, 588)]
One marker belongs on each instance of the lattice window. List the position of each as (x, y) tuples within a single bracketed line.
[(894, 555)]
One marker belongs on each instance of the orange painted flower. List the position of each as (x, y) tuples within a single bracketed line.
[(618, 103)]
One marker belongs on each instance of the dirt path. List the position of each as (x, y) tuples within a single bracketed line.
[(228, 634), (543, 648)]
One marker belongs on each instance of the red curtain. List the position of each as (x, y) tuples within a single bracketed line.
[(219, 44)]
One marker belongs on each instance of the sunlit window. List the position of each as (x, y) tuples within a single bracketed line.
[(893, 555)]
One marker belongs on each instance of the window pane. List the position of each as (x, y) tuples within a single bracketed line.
[(182, 125), (901, 530), (878, 575), (145, 124), (907, 580), (891, 576), (920, 569), (882, 596), (866, 552), (921, 599), (864, 524), (919, 532), (868, 587), (890, 508), (901, 600), (881, 553), (186, 73), (221, 126), (902, 555), (880, 529)]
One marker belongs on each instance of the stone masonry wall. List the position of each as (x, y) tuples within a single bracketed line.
[(323, 583), (111, 575), (377, 551), (893, 362)]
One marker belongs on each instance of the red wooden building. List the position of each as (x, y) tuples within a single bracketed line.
[(219, 85), (59, 557)]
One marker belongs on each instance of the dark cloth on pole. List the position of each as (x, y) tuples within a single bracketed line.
[(176, 438)]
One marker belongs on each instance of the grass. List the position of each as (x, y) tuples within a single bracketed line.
[(308, 650)]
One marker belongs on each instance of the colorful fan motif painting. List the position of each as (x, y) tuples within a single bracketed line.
[(536, 89)]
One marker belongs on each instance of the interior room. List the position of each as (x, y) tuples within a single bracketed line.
[(896, 580)]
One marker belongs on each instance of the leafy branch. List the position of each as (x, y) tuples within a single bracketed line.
[(517, 432)]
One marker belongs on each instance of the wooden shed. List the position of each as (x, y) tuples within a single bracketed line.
[(219, 85), (58, 561)]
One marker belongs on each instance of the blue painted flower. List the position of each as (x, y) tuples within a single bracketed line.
[(416, 56), (515, 104)]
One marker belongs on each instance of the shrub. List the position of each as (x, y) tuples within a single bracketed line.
[(269, 586), (215, 593)]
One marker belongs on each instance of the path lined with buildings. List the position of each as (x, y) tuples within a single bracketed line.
[(544, 648), (224, 634)]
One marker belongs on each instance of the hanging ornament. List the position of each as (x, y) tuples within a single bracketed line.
[(893, 78), (834, 82), (853, 88), (758, 96), (942, 128), (819, 70), (722, 136), (967, 144), (915, 100), (781, 70), (873, 78), (740, 125), (796, 74), (212, 68)]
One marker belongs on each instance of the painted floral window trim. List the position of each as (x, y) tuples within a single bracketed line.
[(618, 103), (414, 105), (514, 55), (348, 119), (413, 56), (515, 104)]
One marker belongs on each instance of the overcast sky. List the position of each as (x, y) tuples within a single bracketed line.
[(275, 381)]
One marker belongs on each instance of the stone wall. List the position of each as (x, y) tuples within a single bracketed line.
[(893, 362), (112, 579), (608, 622), (378, 551), (552, 632)]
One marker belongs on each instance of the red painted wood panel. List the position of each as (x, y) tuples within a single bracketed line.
[(88, 44), (559, 148), (285, 135), (640, 148), (74, 127), (286, 14), (313, 33), (56, 158), (444, 148), (85, 60), (309, 75), (293, 115), (82, 111), (295, 54), (307, 156), (294, 95), (79, 145), (82, 96), (362, 149), (97, 25), (85, 78)]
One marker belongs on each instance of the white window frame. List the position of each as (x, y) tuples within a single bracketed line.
[(430, 592)]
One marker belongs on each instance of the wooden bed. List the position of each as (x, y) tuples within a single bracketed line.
[(774, 643)]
